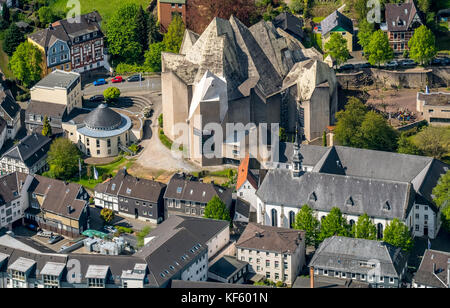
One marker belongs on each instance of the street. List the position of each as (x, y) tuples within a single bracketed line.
[(149, 84)]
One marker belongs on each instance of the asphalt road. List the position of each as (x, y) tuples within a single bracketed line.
[(151, 84)]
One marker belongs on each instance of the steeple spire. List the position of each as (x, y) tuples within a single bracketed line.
[(296, 159)]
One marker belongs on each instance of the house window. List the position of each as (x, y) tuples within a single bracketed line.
[(96, 283)]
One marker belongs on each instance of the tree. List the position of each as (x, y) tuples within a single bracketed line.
[(337, 48), (89, 171), (111, 94), (122, 35), (424, 5), (406, 146), (434, 141), (154, 36), (26, 63), (349, 121), (174, 36), (202, 12), (13, 38), (46, 16), (397, 234), (297, 6), (364, 228), (306, 221), (6, 15), (63, 158), (46, 128), (153, 56), (377, 134), (107, 215), (333, 224), (142, 20), (216, 209), (365, 32), (379, 49), (441, 195), (422, 45)]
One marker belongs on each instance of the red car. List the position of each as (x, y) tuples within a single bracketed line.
[(117, 79)]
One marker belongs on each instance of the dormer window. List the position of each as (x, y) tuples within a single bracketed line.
[(313, 197), (386, 206), (350, 202)]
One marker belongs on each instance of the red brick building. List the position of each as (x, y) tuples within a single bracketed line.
[(401, 21), (166, 9)]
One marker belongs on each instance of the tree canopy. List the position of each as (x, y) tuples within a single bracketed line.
[(13, 38), (379, 49), (107, 215), (397, 234), (337, 48), (216, 209), (364, 228), (63, 158), (365, 32), (46, 128), (111, 94), (153, 56), (333, 224), (441, 195), (434, 141), (174, 36), (26, 63), (305, 220), (422, 45)]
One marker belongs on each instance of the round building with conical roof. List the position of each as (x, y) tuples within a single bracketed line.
[(101, 132)]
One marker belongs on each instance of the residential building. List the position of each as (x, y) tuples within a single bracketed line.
[(10, 112), (379, 264), (58, 206), (178, 256), (382, 185), (435, 107), (337, 22), (186, 195), (103, 132), (213, 234), (251, 75), (228, 270), (401, 21), (247, 183), (278, 254), (13, 198), (55, 96), (3, 130), (243, 211), (72, 46), (132, 197), (166, 10), (434, 270), (28, 156)]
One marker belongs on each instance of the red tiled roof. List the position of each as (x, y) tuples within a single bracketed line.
[(245, 174)]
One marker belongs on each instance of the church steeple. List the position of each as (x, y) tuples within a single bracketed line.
[(296, 158)]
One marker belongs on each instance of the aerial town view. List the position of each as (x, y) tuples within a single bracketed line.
[(253, 146)]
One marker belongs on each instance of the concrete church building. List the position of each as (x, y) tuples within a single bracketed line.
[(235, 74)]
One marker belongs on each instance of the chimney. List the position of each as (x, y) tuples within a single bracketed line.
[(311, 275)]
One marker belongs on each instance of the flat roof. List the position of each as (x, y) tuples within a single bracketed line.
[(58, 79)]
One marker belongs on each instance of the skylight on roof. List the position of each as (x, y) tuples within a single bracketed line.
[(179, 190), (113, 186)]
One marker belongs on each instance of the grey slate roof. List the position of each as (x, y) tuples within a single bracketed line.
[(242, 207), (58, 79), (425, 275), (344, 254), (289, 23), (8, 104), (10, 186), (369, 196), (103, 118), (399, 17), (336, 19), (227, 266), (30, 149)]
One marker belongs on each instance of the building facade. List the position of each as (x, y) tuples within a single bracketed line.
[(166, 10), (435, 107), (337, 23), (132, 197), (10, 112), (14, 198)]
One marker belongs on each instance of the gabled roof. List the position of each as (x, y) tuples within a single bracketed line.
[(440, 260), (8, 104), (334, 20), (244, 174), (267, 238), (400, 16), (10, 186), (30, 149), (345, 254), (289, 23)]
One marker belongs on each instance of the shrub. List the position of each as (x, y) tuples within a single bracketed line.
[(160, 120)]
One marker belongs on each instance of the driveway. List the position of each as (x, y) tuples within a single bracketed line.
[(149, 84)]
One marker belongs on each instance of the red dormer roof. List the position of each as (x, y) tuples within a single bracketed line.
[(244, 174)]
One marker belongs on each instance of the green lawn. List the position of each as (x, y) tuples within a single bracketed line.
[(106, 8), (4, 60)]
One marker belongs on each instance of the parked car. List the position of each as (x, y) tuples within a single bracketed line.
[(392, 64), (54, 239), (45, 234), (136, 77), (408, 63), (437, 61), (97, 98), (31, 227), (364, 65), (117, 79), (347, 67), (100, 82)]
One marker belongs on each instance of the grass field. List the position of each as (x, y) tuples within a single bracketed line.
[(105, 7)]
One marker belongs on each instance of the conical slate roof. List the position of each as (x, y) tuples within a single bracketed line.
[(103, 118)]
